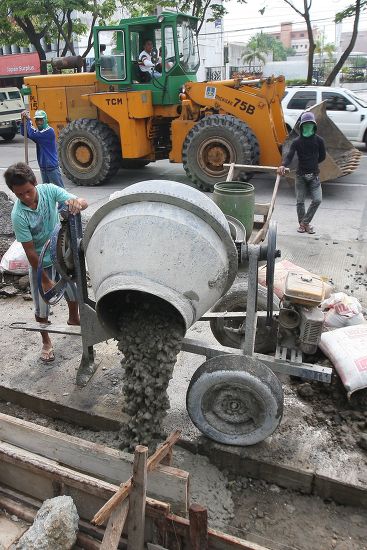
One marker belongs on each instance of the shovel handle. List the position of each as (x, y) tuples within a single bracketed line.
[(26, 159), (255, 167)]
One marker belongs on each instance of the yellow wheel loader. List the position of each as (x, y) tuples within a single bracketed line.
[(130, 113)]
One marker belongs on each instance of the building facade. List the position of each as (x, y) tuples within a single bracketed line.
[(296, 39)]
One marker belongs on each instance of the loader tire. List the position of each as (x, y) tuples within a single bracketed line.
[(89, 152), (214, 141)]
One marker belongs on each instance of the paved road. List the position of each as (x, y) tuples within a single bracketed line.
[(342, 215)]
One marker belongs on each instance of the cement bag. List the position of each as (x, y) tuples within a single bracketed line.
[(347, 350), (282, 269), (15, 260), (342, 311)]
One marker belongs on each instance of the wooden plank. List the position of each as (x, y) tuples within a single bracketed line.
[(180, 527), (256, 167), (115, 526), (262, 209), (48, 469), (230, 172), (198, 516), (237, 460), (260, 236), (136, 525), (165, 483), (339, 491), (125, 488), (57, 410)]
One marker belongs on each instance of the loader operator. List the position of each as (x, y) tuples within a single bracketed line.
[(310, 149), (146, 64), (34, 217), (45, 140)]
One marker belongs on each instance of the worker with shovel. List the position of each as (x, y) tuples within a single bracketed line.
[(45, 140), (310, 149), (34, 217)]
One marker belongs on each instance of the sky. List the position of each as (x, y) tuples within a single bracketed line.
[(246, 19)]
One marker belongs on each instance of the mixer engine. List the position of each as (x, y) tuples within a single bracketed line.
[(300, 318)]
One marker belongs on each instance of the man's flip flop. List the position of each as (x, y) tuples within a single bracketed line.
[(47, 355)]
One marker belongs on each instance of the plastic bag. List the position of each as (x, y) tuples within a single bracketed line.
[(347, 350), (342, 311), (15, 260), (282, 269)]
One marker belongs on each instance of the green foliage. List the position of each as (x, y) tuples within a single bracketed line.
[(296, 82), (350, 11), (254, 54), (265, 43), (197, 8), (26, 22), (323, 48)]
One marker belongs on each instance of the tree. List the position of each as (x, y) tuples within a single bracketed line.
[(306, 15), (352, 10), (197, 8), (267, 43), (253, 53), (322, 48), (29, 22)]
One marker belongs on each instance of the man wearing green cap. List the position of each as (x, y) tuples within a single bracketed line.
[(45, 140), (310, 149)]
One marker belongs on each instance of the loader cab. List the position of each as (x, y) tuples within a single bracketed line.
[(175, 55)]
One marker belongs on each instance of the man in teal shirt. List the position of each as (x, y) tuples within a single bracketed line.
[(34, 217)]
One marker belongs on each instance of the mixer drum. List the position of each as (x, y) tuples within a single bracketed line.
[(164, 239)]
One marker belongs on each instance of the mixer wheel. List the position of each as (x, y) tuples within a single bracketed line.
[(229, 333), (235, 400)]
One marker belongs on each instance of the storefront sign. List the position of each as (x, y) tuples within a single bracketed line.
[(19, 64)]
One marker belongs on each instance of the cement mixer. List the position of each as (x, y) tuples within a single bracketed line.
[(170, 243)]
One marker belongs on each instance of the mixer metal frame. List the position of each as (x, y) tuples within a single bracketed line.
[(92, 332)]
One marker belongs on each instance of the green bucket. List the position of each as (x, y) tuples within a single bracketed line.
[(237, 199)]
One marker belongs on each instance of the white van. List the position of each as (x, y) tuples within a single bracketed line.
[(11, 106), (347, 110)]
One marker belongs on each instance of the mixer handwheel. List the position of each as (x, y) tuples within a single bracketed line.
[(235, 400), (272, 253)]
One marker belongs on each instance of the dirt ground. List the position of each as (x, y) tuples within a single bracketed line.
[(319, 421)]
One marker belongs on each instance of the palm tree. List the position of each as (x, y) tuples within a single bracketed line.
[(322, 48), (254, 53)]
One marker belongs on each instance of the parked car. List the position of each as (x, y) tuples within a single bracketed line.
[(11, 106), (346, 110)]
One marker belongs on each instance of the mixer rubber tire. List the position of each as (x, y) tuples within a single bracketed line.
[(134, 164), (236, 300), (232, 138), (235, 400), (98, 142)]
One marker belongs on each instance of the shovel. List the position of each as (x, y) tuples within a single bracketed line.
[(26, 158)]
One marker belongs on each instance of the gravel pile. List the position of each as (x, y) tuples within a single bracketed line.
[(151, 338)]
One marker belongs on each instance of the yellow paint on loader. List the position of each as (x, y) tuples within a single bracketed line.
[(212, 124)]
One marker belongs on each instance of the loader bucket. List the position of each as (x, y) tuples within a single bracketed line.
[(342, 157)]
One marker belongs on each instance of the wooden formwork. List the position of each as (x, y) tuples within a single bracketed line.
[(37, 463)]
